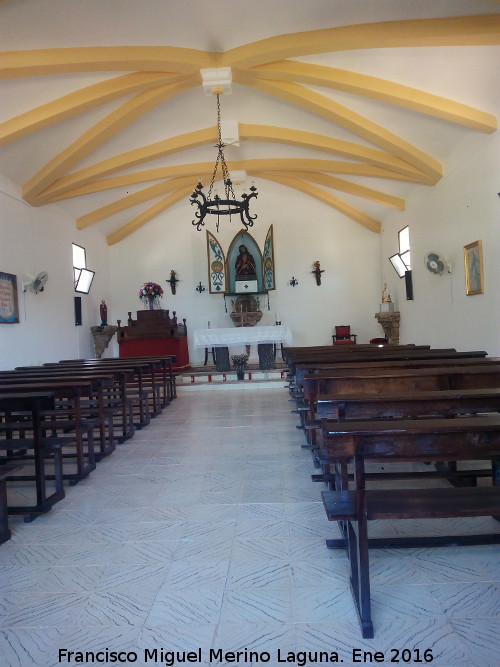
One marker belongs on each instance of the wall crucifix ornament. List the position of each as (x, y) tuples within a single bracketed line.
[(317, 272)]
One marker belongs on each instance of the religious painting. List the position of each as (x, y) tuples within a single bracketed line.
[(473, 259), (217, 273), (9, 308), (268, 260)]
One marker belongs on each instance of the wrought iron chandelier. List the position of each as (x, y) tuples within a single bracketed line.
[(217, 206)]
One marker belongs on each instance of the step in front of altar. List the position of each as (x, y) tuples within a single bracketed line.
[(201, 378)]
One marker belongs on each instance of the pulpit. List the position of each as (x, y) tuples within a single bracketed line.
[(154, 333)]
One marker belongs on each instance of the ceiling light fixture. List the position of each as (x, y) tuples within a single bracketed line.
[(217, 206)]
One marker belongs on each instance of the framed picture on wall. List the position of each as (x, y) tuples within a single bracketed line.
[(473, 259), (9, 307)]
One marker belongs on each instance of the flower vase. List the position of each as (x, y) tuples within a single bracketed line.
[(151, 302), (240, 372)]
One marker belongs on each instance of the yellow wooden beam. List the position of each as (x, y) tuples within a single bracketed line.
[(130, 159), (132, 200), (346, 186), (99, 133), (379, 89), (341, 115), (482, 30), (247, 132), (326, 198), (256, 165), (39, 62), (147, 215), (79, 101), (322, 142)]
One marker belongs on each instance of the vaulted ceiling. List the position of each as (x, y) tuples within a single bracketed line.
[(354, 104)]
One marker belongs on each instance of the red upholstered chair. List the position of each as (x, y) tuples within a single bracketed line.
[(343, 336)]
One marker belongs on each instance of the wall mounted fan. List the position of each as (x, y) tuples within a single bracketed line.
[(36, 283), (436, 263)]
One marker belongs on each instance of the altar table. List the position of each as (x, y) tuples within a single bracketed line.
[(222, 339)]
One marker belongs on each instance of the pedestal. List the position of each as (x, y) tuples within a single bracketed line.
[(101, 337), (390, 325)]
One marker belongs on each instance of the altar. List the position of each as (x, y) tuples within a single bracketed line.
[(264, 337)]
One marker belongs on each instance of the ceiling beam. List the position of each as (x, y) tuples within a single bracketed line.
[(378, 89), (247, 132), (41, 62), (130, 159), (341, 115), (348, 187), (481, 30), (326, 198), (255, 165), (147, 215), (99, 133), (123, 203), (80, 101)]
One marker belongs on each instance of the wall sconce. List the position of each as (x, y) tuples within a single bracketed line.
[(317, 272), (200, 288), (293, 281), (173, 281)]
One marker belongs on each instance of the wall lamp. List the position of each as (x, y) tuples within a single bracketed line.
[(293, 281), (199, 288)]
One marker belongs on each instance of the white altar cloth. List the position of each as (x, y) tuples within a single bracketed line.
[(226, 337)]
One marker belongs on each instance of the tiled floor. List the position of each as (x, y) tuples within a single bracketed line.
[(205, 531)]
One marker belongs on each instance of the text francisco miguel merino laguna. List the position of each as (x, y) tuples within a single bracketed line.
[(174, 658)]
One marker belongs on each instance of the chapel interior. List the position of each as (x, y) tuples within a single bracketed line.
[(239, 241)]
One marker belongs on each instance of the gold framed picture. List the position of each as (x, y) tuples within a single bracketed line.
[(473, 260)]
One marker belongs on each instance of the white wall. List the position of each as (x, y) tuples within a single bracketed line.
[(463, 207), (304, 231), (34, 240)]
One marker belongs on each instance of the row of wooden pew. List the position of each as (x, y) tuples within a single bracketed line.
[(58, 420), (369, 405)]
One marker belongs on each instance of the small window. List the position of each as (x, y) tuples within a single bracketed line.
[(82, 276), (401, 261)]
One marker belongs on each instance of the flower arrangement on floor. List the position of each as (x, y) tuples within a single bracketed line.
[(239, 362), (150, 295)]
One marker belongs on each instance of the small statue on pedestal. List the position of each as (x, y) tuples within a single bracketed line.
[(386, 297), (103, 312)]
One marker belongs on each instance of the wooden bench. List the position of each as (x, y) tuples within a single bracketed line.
[(21, 432), (71, 412), (410, 405), (462, 438), (394, 381), (6, 470)]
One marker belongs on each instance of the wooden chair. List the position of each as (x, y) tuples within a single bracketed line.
[(343, 335)]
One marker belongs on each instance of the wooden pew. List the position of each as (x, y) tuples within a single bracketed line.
[(410, 405), (423, 361), (21, 432), (139, 382), (394, 381), (113, 402), (6, 470), (412, 440), (68, 415)]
